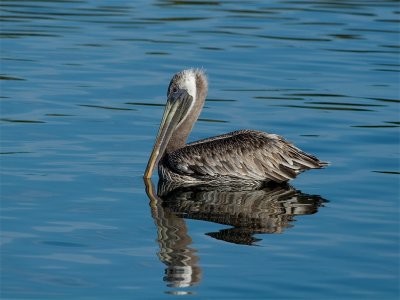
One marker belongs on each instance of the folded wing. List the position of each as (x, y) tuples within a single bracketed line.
[(245, 154)]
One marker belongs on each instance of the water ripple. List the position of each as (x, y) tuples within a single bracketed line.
[(83, 87)]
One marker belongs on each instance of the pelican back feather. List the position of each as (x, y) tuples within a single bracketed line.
[(240, 155)]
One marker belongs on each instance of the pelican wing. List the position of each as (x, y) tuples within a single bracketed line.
[(245, 154)]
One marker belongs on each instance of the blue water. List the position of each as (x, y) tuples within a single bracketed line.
[(83, 85)]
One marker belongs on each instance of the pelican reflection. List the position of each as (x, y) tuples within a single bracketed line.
[(270, 209), (174, 241)]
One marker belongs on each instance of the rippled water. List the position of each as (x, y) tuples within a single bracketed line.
[(82, 89)]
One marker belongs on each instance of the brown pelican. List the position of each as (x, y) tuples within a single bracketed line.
[(244, 156)]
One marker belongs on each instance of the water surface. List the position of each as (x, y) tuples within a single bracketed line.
[(83, 85)]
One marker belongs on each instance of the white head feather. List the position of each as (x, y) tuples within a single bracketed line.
[(188, 82)]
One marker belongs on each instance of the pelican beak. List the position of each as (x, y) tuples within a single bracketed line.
[(177, 106)]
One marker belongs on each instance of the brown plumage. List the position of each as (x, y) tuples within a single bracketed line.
[(246, 156)]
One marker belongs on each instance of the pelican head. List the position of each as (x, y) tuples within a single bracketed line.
[(185, 98)]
